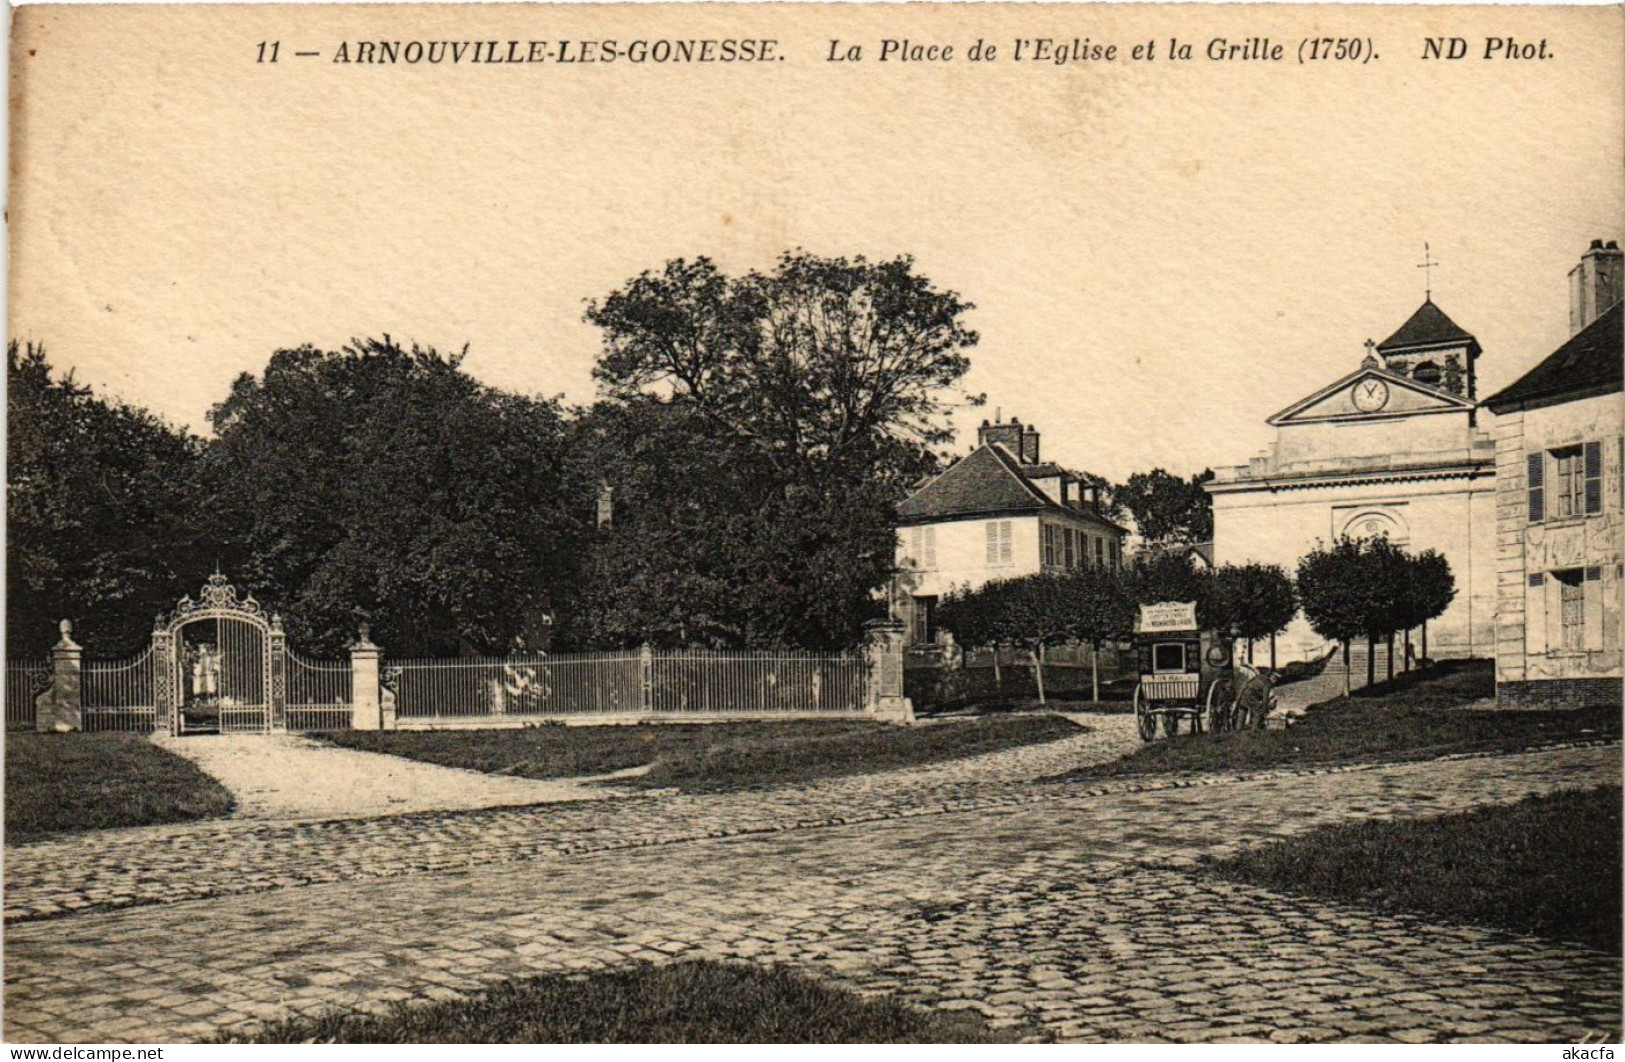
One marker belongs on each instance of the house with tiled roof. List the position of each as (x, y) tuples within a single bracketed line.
[(1392, 448), (996, 513), (1560, 489)]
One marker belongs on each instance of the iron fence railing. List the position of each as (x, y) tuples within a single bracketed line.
[(25, 680), (702, 681), (321, 694), (118, 694), (626, 682)]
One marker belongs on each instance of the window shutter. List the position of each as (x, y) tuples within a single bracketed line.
[(1593, 478), (1004, 542), (1537, 492), (992, 542)]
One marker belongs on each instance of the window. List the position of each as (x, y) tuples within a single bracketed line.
[(1576, 482), (1048, 544), (1427, 373), (1593, 478), (1168, 658), (923, 620), (1100, 553), (922, 548), (1537, 487), (1568, 482), (1571, 595), (1071, 548), (998, 542)]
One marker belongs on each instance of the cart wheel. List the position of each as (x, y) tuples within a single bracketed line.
[(1220, 705), (1142, 715)]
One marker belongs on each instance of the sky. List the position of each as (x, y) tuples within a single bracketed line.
[(1161, 256)]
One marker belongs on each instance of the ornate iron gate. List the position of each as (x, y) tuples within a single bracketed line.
[(221, 664)]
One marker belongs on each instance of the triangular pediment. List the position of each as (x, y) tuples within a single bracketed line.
[(1371, 393)]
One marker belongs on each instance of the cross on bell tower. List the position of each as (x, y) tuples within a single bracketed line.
[(1427, 264)]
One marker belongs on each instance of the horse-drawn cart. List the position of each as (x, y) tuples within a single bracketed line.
[(1177, 662)]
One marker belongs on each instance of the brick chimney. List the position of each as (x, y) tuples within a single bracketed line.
[(1596, 283), (1011, 436)]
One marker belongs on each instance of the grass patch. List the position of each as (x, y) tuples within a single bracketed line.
[(785, 756), (69, 783), (1415, 717), (713, 756), (685, 1003), (1548, 865)]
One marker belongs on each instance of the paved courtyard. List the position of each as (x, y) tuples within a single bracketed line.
[(1074, 910)]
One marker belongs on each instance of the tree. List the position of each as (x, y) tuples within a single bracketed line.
[(977, 620), (825, 366), (1337, 595), (1099, 608), (1168, 510), (1044, 609), (707, 545), (1371, 587), (383, 484), (1430, 587), (97, 514), (1031, 611), (795, 408), (1254, 601), (1174, 576)]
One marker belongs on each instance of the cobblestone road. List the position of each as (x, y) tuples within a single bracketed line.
[(162, 864), (1065, 909)]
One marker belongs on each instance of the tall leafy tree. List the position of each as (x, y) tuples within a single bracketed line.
[(800, 404), (383, 484), (98, 516), (1167, 509), (705, 545)]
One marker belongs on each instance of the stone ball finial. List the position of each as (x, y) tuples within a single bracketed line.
[(65, 628)]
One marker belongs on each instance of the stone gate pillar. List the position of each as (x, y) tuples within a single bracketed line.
[(366, 706), (60, 708), (883, 647)]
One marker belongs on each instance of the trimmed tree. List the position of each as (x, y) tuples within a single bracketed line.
[(1100, 609), (1255, 601), (1334, 588), (976, 619), (1429, 590)]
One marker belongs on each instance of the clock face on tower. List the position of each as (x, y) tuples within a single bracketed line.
[(1370, 395)]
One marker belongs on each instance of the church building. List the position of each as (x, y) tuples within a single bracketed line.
[(1393, 448)]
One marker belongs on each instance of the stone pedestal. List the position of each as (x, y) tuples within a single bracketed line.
[(60, 708), (366, 711), (884, 649)]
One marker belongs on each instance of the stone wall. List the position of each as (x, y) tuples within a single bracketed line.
[(1559, 693)]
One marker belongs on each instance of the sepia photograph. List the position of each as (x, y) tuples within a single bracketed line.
[(951, 523)]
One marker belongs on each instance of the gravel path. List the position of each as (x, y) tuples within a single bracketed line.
[(289, 777)]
